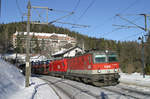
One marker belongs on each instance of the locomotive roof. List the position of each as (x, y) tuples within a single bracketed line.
[(96, 51), (101, 51), (88, 52)]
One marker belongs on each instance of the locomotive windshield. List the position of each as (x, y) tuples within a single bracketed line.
[(100, 58), (112, 58), (105, 57)]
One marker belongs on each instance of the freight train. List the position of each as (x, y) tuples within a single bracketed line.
[(99, 68)]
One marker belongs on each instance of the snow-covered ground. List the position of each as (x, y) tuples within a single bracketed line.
[(11, 80), (37, 90), (136, 80), (12, 85)]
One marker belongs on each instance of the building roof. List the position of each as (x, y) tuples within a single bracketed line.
[(61, 53), (41, 34)]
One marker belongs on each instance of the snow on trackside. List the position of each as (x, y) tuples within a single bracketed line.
[(37, 90), (12, 85), (135, 79), (11, 80)]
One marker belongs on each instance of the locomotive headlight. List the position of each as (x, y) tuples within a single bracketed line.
[(99, 71), (115, 70), (106, 51)]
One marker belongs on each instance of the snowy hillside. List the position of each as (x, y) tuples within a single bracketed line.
[(11, 80), (12, 85)]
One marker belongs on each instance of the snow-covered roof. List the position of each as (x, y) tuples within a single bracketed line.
[(59, 52), (65, 51), (41, 34), (23, 56)]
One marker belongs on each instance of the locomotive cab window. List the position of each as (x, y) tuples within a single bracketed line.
[(112, 58), (100, 58)]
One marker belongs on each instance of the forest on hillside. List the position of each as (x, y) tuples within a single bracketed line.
[(129, 52)]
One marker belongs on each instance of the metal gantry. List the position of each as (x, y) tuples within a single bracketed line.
[(140, 38)]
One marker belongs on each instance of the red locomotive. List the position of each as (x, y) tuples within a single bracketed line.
[(100, 68)]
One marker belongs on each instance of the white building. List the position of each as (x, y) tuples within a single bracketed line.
[(51, 41)]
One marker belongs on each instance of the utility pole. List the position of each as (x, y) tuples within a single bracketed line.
[(142, 42), (28, 67), (142, 53)]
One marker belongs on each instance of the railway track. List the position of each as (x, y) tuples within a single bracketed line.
[(119, 90), (128, 92), (58, 90), (146, 93), (74, 94), (76, 90)]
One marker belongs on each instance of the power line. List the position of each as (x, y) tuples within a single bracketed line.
[(127, 37), (79, 18), (76, 6), (116, 29), (131, 22), (18, 7), (131, 5), (62, 11), (122, 28), (20, 11), (56, 20), (111, 31), (61, 17), (74, 9), (86, 9), (110, 18), (39, 14), (79, 25)]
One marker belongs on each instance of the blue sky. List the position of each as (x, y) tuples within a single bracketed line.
[(100, 15)]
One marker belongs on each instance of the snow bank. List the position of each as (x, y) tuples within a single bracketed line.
[(12, 85), (11, 80), (135, 79), (38, 90)]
